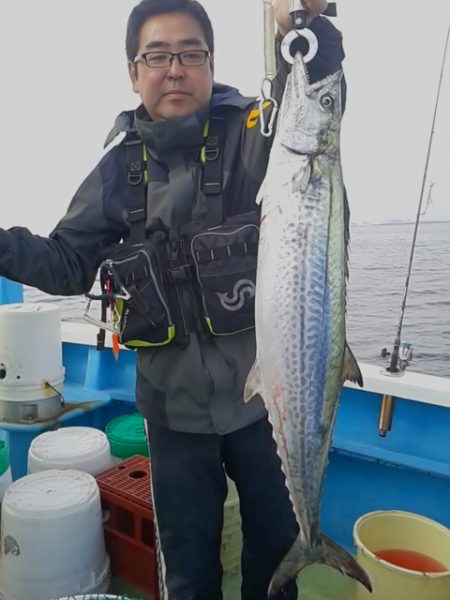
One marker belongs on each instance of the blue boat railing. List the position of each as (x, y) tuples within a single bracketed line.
[(10, 291)]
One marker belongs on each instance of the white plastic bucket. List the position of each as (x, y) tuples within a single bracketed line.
[(52, 537), (31, 367), (81, 448), (399, 530)]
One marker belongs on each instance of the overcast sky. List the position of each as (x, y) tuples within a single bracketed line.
[(64, 79)]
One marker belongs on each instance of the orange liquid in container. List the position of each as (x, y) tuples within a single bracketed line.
[(414, 561)]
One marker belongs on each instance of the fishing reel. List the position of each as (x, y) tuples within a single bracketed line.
[(405, 355), (401, 356), (300, 38)]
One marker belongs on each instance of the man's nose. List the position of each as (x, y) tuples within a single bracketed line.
[(176, 70)]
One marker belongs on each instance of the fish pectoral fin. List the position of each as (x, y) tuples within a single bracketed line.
[(253, 384), (338, 558), (350, 370), (301, 178)]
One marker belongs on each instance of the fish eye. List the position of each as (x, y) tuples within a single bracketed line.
[(327, 101)]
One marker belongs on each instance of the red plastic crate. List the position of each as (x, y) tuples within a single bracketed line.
[(129, 528), (129, 479)]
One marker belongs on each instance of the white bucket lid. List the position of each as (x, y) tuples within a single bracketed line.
[(17, 309), (50, 494), (82, 448)]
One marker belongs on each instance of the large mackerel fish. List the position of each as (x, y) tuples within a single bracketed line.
[(302, 354)]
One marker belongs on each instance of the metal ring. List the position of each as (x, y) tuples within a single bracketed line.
[(310, 37)]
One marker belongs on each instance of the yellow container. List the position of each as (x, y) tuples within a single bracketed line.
[(387, 530)]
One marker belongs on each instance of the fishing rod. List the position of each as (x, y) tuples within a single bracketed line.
[(393, 367)]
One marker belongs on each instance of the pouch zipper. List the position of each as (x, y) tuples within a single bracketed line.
[(190, 292), (174, 253), (156, 284)]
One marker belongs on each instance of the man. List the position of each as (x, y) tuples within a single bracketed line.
[(179, 192)]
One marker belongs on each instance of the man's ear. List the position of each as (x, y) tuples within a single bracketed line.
[(211, 62), (133, 72)]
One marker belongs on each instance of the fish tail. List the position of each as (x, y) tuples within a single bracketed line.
[(294, 561), (338, 558), (327, 552)]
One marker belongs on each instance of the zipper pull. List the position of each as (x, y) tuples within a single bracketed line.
[(114, 318), (115, 346)]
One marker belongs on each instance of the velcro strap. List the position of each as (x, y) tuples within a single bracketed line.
[(212, 184), (136, 167), (137, 301), (134, 216)]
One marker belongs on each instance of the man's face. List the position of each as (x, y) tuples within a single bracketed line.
[(177, 90)]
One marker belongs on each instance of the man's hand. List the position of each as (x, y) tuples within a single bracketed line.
[(283, 18)]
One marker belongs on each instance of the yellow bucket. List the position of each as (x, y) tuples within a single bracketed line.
[(402, 531)]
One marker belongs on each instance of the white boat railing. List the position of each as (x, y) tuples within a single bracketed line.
[(418, 387)]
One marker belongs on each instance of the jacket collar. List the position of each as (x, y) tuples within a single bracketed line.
[(179, 132)]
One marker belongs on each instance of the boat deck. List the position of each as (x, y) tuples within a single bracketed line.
[(317, 583)]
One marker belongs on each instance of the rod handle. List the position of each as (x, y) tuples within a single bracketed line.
[(386, 415)]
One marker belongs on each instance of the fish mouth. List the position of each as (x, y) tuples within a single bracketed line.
[(307, 144), (308, 147)]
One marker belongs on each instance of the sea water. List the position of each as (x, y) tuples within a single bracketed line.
[(379, 257)]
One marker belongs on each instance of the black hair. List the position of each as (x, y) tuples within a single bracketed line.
[(149, 8)]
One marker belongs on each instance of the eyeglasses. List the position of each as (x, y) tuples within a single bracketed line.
[(161, 60)]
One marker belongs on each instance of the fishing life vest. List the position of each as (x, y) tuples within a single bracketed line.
[(160, 288)]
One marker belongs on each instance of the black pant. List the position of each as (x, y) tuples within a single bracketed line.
[(189, 491)]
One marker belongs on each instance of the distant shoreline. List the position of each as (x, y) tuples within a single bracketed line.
[(397, 223)]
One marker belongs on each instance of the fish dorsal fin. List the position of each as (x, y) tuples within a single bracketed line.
[(350, 370), (253, 384)]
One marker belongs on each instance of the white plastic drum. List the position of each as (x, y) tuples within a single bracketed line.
[(31, 367), (52, 537), (82, 448)]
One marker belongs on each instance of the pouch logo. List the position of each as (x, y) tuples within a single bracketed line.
[(243, 288)]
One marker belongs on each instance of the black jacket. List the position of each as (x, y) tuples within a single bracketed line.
[(199, 388)]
